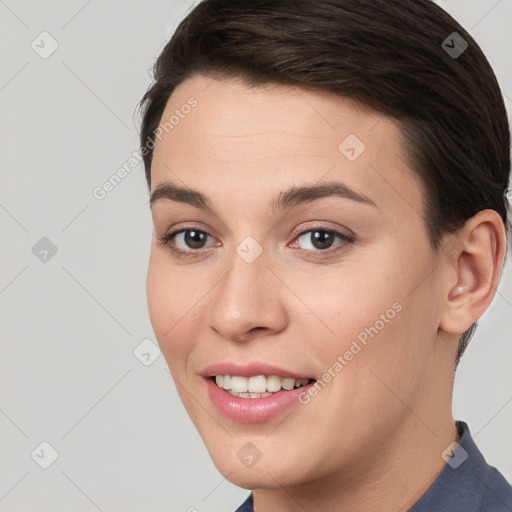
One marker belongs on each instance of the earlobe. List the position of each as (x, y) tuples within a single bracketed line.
[(478, 262)]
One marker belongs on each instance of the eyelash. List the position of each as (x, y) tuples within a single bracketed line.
[(168, 241)]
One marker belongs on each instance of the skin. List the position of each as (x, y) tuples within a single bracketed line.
[(372, 439)]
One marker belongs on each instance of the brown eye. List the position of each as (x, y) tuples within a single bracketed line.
[(185, 242), (194, 239), (320, 240)]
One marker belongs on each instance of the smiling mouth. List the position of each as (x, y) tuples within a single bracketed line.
[(258, 386)]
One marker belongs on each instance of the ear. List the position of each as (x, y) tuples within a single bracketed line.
[(477, 255)]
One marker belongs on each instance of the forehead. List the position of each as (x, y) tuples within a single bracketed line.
[(238, 137), (228, 110)]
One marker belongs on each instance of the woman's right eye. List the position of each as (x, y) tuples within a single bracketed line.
[(192, 238)]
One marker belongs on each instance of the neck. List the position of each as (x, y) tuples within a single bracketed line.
[(387, 485), (393, 477)]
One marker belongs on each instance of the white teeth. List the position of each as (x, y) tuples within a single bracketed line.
[(274, 383), (250, 395), (288, 384), (257, 386), (226, 381), (239, 384)]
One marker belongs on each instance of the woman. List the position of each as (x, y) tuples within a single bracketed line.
[(328, 190)]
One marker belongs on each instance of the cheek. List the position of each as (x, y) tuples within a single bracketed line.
[(172, 306), (160, 305), (341, 303), (366, 312)]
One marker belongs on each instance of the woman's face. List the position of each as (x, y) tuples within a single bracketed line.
[(338, 285)]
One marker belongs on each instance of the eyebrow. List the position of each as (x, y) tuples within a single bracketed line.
[(286, 199)]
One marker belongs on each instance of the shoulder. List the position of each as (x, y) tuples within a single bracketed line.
[(467, 483), (247, 505), (497, 492)]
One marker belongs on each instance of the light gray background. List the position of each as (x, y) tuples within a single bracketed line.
[(69, 326)]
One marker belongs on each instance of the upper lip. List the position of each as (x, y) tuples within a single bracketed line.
[(250, 370)]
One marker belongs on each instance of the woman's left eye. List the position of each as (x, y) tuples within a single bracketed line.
[(320, 239)]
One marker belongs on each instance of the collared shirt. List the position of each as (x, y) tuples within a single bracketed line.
[(466, 483)]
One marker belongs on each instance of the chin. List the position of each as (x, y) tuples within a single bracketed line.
[(266, 472), (262, 478)]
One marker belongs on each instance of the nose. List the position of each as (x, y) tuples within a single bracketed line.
[(247, 302)]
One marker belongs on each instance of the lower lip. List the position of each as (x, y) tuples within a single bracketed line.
[(253, 410)]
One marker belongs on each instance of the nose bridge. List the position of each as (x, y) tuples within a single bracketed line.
[(244, 283), (248, 264), (247, 296)]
